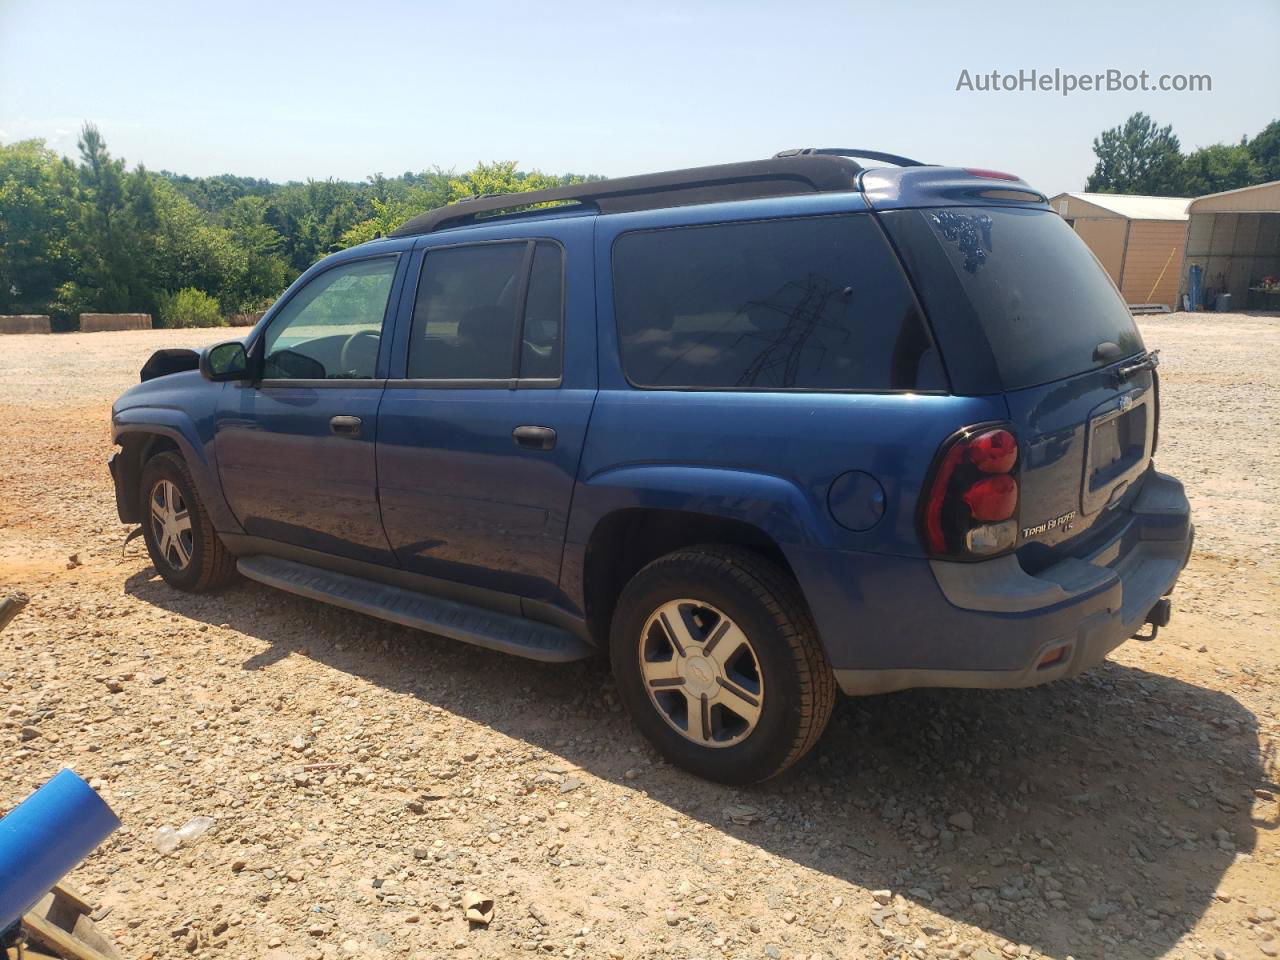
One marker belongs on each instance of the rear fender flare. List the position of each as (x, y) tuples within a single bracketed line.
[(771, 503)]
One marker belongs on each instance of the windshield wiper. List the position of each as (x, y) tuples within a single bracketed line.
[(1147, 361)]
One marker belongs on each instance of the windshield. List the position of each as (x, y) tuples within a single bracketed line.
[(1042, 299)]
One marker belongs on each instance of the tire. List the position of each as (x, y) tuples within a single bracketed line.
[(194, 559), (697, 716)]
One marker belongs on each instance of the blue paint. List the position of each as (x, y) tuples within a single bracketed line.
[(436, 486), (45, 837), (856, 500)]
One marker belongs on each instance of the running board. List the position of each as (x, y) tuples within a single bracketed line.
[(457, 621)]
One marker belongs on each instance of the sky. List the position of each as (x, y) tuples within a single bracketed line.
[(294, 90)]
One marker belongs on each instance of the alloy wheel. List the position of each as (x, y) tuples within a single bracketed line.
[(171, 524), (701, 673)]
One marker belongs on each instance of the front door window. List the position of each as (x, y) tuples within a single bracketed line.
[(331, 328)]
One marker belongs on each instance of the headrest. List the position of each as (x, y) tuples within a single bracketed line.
[(486, 323)]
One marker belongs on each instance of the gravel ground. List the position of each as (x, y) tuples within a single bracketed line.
[(364, 777)]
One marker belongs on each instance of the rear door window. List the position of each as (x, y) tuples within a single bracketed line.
[(1043, 301), (815, 303), (488, 311)]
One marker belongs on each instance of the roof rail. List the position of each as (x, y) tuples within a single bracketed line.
[(783, 175), (877, 155)]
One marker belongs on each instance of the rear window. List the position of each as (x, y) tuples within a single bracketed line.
[(816, 303), (1037, 292)]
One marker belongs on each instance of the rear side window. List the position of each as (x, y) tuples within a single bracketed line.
[(1038, 294), (816, 303), (488, 312)]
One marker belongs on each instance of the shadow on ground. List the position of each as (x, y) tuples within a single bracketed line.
[(1108, 788)]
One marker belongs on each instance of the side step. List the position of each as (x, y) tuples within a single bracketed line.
[(458, 621)]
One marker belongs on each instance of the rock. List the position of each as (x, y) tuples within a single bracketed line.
[(961, 820), (298, 743), (1220, 954), (421, 853), (882, 897), (113, 685), (788, 917), (673, 918), (477, 908), (1269, 948), (772, 952), (1262, 915), (538, 914), (28, 733), (740, 814)]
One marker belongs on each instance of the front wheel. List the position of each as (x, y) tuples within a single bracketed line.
[(718, 661), (180, 538)]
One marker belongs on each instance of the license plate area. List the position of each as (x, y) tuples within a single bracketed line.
[(1119, 448)]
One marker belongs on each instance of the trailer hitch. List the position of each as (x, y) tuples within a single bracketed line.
[(1157, 617)]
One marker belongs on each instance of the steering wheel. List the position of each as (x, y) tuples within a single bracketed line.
[(349, 357)]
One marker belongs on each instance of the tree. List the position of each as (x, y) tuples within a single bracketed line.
[(1265, 150), (1137, 157), (1218, 167), (115, 236), (37, 212)]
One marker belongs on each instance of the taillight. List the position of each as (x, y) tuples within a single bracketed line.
[(971, 503)]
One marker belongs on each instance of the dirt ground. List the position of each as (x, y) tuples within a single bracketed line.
[(363, 777)]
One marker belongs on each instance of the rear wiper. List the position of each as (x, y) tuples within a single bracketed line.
[(1149, 360)]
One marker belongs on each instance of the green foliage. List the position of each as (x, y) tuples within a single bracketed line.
[(94, 235), (1218, 167), (1139, 157), (1265, 150), (37, 209), (189, 307)]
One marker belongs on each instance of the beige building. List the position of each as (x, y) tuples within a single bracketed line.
[(1235, 239), (1139, 240)]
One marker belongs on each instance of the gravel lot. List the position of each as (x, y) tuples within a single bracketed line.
[(363, 777)]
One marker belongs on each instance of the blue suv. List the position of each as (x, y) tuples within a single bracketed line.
[(761, 432)]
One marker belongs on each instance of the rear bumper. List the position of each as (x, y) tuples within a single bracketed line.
[(991, 624)]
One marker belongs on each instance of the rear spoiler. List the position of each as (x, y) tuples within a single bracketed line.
[(886, 188)]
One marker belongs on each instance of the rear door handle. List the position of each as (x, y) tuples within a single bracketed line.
[(534, 438), (345, 426)]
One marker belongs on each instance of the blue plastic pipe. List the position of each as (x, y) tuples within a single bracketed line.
[(44, 837)]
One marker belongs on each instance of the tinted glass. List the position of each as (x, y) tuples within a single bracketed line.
[(330, 329), (540, 351), (464, 321), (813, 303), (1042, 299)]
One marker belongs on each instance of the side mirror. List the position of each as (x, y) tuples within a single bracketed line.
[(225, 361)]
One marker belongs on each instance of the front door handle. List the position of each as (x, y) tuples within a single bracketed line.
[(534, 438), (345, 426)]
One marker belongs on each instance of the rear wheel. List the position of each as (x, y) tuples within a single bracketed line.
[(717, 659), (182, 543)]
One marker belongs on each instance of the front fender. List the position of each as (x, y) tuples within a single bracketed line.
[(178, 426)]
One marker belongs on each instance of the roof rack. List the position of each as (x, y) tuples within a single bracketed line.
[(791, 172)]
